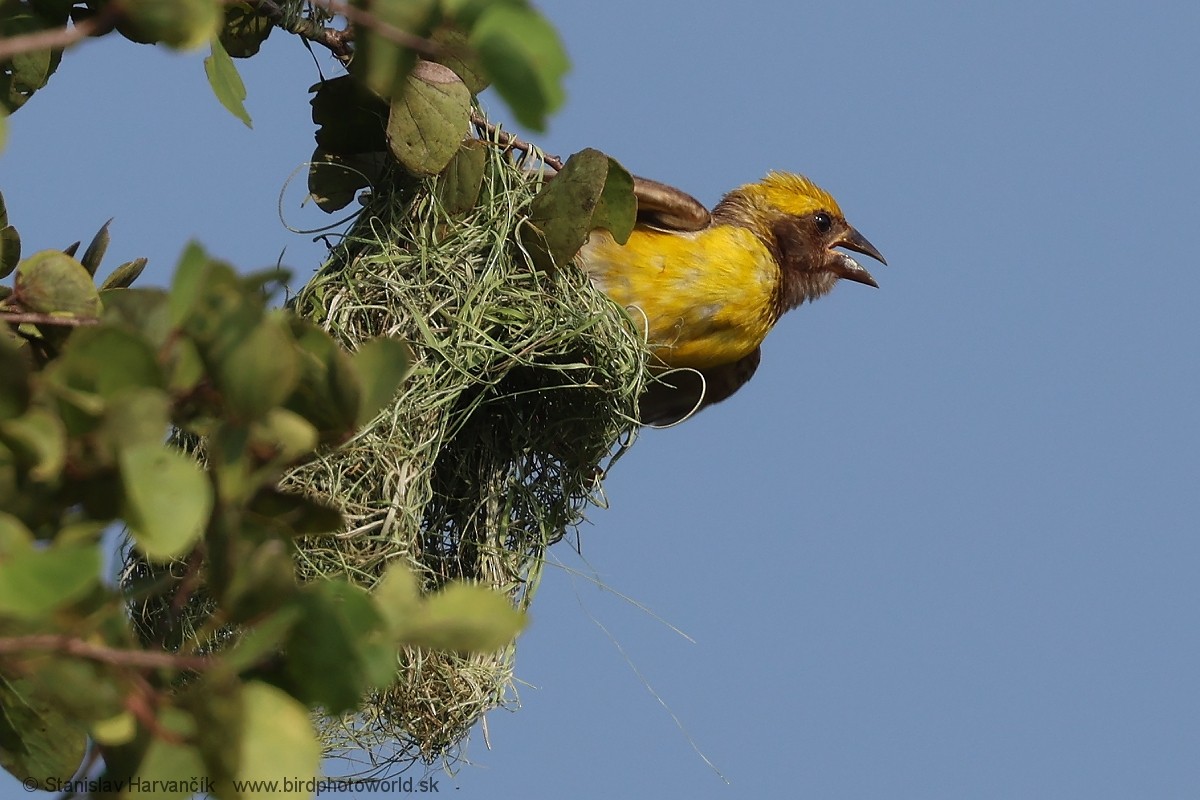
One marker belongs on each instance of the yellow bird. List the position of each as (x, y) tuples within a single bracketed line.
[(709, 287)]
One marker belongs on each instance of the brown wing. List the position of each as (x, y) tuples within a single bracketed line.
[(667, 208), (677, 394)]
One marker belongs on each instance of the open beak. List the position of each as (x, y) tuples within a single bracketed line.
[(850, 269)]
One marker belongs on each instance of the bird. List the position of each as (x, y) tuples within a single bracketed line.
[(707, 287)]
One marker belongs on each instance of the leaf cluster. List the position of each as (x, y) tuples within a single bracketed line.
[(92, 379)]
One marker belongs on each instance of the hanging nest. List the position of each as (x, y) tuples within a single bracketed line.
[(524, 391)]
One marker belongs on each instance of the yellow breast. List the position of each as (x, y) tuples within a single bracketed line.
[(705, 298)]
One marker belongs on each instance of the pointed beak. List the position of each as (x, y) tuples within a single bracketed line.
[(853, 240), (850, 269)]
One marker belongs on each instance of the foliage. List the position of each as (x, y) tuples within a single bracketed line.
[(505, 43), (94, 376), (90, 381)]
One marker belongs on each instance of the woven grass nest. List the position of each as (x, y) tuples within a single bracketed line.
[(524, 391)]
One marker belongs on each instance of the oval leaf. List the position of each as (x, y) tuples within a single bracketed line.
[(465, 618), (458, 189), (382, 365), (592, 191), (244, 30), (524, 57), (167, 499), (51, 282), (429, 121), (260, 372), (181, 24), (226, 83), (38, 742), (33, 583), (10, 250), (277, 740)]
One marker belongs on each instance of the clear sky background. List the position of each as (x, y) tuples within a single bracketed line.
[(944, 545)]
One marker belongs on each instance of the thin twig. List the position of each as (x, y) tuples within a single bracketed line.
[(335, 40), (66, 645), (61, 38), (360, 17), (510, 140), (35, 318), (143, 702)]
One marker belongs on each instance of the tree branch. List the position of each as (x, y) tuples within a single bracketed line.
[(66, 645), (510, 140), (359, 17), (336, 41), (60, 38), (21, 317)]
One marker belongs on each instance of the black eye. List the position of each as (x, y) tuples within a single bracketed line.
[(823, 221)]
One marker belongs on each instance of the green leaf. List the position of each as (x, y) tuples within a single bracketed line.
[(41, 438), (51, 282), (213, 305), (244, 30), (24, 73), (180, 24), (121, 728), (174, 767), (456, 53), (524, 57), (287, 433), (82, 689), (277, 740), (142, 312), (382, 365), (592, 191), (261, 371), (464, 617), (167, 499), (95, 251), (616, 210), (429, 121), (264, 639), (302, 515), (15, 390), (334, 180), (382, 63), (217, 705), (107, 360), (137, 416), (38, 742), (191, 276), (123, 276), (330, 390), (226, 83), (461, 181), (10, 250), (397, 596), (14, 537), (36, 582), (338, 651), (262, 582)]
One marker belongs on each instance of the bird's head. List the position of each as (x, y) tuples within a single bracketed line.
[(803, 227)]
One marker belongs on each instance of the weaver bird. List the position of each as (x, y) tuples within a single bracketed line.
[(709, 287)]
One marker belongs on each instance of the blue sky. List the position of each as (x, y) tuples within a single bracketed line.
[(944, 544)]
